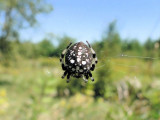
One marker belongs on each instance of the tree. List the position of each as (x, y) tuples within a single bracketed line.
[(18, 14), (132, 47), (45, 48), (149, 48), (111, 40)]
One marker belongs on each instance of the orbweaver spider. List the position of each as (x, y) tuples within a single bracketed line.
[(80, 60)]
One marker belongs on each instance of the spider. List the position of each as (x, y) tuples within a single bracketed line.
[(80, 60)]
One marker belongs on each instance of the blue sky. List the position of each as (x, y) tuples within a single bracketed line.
[(88, 19)]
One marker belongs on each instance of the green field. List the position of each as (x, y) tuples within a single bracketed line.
[(126, 41), (33, 90)]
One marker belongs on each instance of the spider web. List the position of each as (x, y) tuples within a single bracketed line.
[(135, 66), (109, 60), (127, 56)]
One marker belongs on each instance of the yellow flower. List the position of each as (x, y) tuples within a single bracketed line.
[(63, 103), (3, 102), (2, 93)]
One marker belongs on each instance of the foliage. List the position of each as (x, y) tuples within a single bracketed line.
[(111, 38), (18, 14), (30, 90), (125, 87), (45, 48)]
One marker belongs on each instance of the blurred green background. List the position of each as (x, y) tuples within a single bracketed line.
[(127, 77)]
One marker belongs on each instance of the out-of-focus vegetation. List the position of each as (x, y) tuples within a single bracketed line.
[(127, 77)]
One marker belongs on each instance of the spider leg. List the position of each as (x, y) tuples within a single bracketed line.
[(95, 60), (87, 76), (90, 75), (68, 76), (85, 79), (65, 73), (62, 57)]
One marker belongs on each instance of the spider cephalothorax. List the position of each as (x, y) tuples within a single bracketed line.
[(79, 61)]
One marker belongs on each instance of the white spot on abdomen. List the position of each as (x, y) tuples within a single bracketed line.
[(87, 60), (79, 53), (83, 62), (78, 59), (80, 47), (72, 61), (87, 54)]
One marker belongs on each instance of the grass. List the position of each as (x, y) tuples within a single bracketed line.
[(28, 91)]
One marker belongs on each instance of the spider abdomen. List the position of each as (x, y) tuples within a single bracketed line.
[(78, 61), (78, 58)]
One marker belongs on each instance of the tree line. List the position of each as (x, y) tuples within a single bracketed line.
[(20, 14), (111, 44)]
